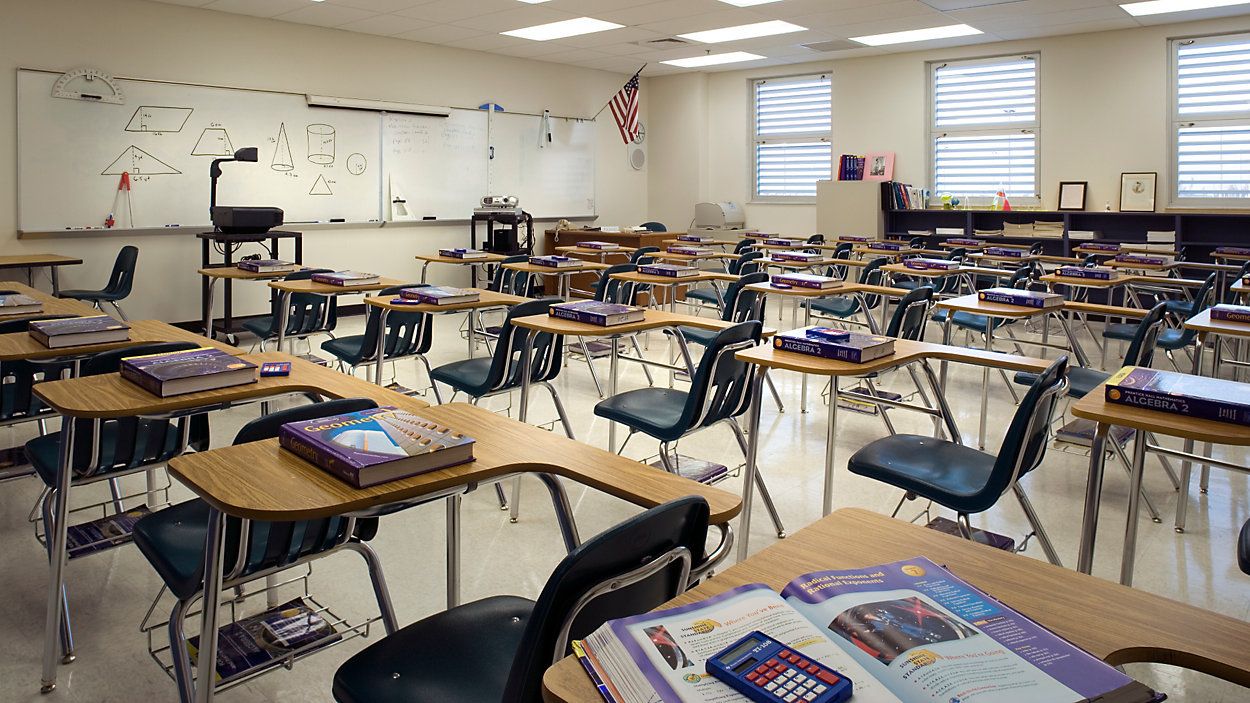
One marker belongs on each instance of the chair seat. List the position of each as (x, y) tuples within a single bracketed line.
[(44, 452), (91, 295), (1172, 339), (468, 376), (262, 327), (908, 283), (706, 295), (1179, 308), (173, 539), (1243, 548), (463, 654), (652, 411), (950, 474), (1120, 330), (1080, 380), (966, 320), (839, 306), (698, 335), (349, 350)]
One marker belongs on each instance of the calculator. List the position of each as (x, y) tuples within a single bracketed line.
[(766, 671), (275, 368)]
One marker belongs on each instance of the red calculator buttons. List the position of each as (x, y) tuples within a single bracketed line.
[(827, 677)]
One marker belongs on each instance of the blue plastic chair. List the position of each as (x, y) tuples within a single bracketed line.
[(407, 335), (17, 380), (746, 262), (307, 314), (654, 226), (1172, 338), (844, 307), (120, 283)]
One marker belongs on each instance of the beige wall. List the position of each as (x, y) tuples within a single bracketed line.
[(161, 41), (1103, 111)]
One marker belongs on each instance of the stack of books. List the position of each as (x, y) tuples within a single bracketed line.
[(885, 246), (462, 253), (555, 262), (1233, 251), (689, 251), (901, 196), (1082, 235), (803, 257), (920, 232), (1149, 248), (267, 266), (374, 446), (18, 304), (668, 270), (268, 638), (593, 312), (836, 344), (1180, 394), (440, 295), (1167, 237), (1096, 273), (805, 280), (347, 278), (695, 238), (1023, 298), (923, 264), (1230, 313), (78, 331), (987, 232), (952, 232), (851, 167), (190, 371), (1011, 252)]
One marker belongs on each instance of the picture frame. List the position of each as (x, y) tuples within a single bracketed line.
[(879, 166), (1072, 195), (1137, 191)]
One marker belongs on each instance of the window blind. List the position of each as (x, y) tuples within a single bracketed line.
[(791, 135), (1211, 88)]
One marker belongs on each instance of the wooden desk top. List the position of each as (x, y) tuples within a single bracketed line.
[(489, 258), (1115, 280), (1048, 258), (20, 345), (1136, 266), (972, 303), (637, 277), (905, 352), (1203, 266), (235, 273), (15, 261), (1230, 257), (109, 395), (1203, 323), (844, 288), (1239, 287), (1094, 406), (262, 481), (903, 269), (1117, 624), (712, 243), (814, 263), (486, 299), (588, 251), (310, 286), (52, 306), (526, 267), (655, 319), (1165, 282)]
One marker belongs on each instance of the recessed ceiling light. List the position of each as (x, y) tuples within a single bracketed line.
[(912, 35), (748, 3), (1159, 7), (713, 59), (565, 28), (745, 31), (532, 2)]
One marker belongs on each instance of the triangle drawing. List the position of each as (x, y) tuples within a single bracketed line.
[(213, 142), (321, 187), (138, 162), (282, 159)]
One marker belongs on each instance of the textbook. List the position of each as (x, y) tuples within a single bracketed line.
[(668, 270), (1100, 246), (851, 238), (100, 534), (689, 251), (1006, 251), (462, 253), (1024, 298), (805, 280), (270, 636), (1180, 394), (18, 304), (857, 348), (781, 242), (1235, 251), (696, 238), (931, 264), (593, 312), (440, 295), (1142, 259), (267, 266), (601, 246), (1230, 313), (555, 262), (802, 257), (960, 241), (954, 232), (346, 278), (906, 632), (189, 371), (78, 331), (1096, 273), (375, 446), (886, 246)]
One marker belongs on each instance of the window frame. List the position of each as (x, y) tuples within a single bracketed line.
[(754, 140), (932, 131), (1175, 121)]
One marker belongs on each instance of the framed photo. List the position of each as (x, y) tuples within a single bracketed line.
[(1137, 192), (1072, 195), (879, 166)]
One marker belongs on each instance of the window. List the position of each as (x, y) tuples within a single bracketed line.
[(984, 127), (1211, 120), (791, 139)]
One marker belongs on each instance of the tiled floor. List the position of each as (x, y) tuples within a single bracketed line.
[(110, 592)]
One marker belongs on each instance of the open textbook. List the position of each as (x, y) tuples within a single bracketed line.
[(907, 632)]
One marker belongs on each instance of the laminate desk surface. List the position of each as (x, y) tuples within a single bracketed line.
[(1138, 266), (486, 299), (234, 273), (1094, 406), (591, 251), (655, 319), (843, 288), (637, 277), (21, 261), (712, 243), (52, 305), (311, 286), (1230, 257), (905, 352), (1203, 323), (1051, 259), (488, 258), (1239, 287), (983, 256), (973, 303), (109, 395), (866, 249), (581, 267), (20, 345), (905, 270), (1119, 625), (1117, 279)]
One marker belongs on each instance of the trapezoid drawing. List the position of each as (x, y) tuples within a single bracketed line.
[(282, 159), (213, 142), (321, 187), (155, 118), (138, 162)]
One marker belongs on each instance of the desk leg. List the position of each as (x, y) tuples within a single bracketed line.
[(284, 307), (56, 559), (939, 393), (380, 350), (1093, 499), (985, 384), (1134, 505), (210, 286), (613, 363), (1187, 467), (564, 511), (453, 550), (425, 267), (214, 548), (56, 280), (1073, 342), (807, 321), (526, 352), (946, 339), (750, 471), (473, 318), (831, 433)]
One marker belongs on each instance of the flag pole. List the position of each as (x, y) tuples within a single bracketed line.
[(609, 102)]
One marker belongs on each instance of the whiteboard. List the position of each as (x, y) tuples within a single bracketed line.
[(557, 180), (437, 164), (317, 164)]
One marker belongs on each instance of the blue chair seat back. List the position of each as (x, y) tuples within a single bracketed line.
[(611, 290), (721, 386), (1024, 445), (909, 317), (407, 333), (745, 263), (18, 377), (547, 356), (742, 304), (307, 313)]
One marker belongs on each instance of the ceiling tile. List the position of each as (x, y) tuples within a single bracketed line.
[(1052, 19), (731, 17), (378, 5), (1031, 31), (187, 3), (268, 8), (1021, 9), (447, 11), (324, 15), (615, 36), (440, 34), (879, 12), (385, 25), (651, 12), (521, 16)]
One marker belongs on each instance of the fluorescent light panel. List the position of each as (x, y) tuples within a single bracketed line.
[(915, 35), (745, 31), (565, 28), (1159, 7), (534, 2), (713, 59), (748, 3)]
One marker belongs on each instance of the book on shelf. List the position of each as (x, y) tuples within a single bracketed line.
[(593, 312), (462, 253), (1081, 432), (858, 399), (97, 535), (267, 266), (1023, 298), (856, 347), (668, 270), (189, 371), (695, 238), (347, 278), (803, 257), (923, 264), (688, 250), (1010, 252), (555, 262), (948, 526), (954, 232), (805, 280), (1159, 237), (1095, 273), (987, 232), (905, 632), (440, 295), (1146, 247), (267, 637), (920, 232), (851, 167), (698, 470), (1180, 394), (1101, 246), (901, 196), (1235, 251), (1048, 225), (377, 445), (1082, 235), (18, 304), (1230, 313), (78, 331)]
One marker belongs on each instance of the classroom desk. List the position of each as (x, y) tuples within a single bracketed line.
[(891, 253), (20, 345), (562, 274), (667, 283), (30, 262), (486, 259), (969, 245), (906, 353), (1137, 266), (1239, 288), (1000, 259), (286, 288), (213, 274), (705, 243), (52, 306), (967, 274), (602, 254), (1115, 624)]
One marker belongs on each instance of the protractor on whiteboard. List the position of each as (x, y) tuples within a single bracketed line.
[(88, 84)]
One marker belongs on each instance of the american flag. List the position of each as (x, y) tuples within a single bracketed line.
[(625, 109)]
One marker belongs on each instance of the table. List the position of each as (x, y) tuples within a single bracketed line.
[(562, 274), (225, 245), (230, 274), (892, 253), (52, 306), (30, 262), (20, 345), (906, 352), (602, 254), (1116, 624), (966, 274), (484, 259), (286, 288)]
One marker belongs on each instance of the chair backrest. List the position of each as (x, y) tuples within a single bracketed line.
[(1141, 350), (957, 254), (1024, 445), (611, 290), (872, 275), (407, 333), (655, 226), (909, 317), (508, 281), (18, 377), (815, 239), (1091, 260), (642, 255), (743, 264), (505, 365), (721, 385), (1021, 277), (1201, 298), (123, 276), (743, 245), (742, 304), (624, 570), (916, 242), (842, 251), (307, 312)]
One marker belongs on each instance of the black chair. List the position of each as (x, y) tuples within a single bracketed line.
[(611, 290), (408, 335), (1170, 339), (18, 377), (1243, 548), (843, 307), (119, 285), (964, 479), (744, 245), (654, 226), (712, 296), (496, 650), (307, 314), (513, 282), (173, 541)]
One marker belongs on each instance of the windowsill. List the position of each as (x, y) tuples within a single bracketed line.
[(788, 201)]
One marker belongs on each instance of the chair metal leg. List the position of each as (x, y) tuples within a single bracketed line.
[(666, 459), (179, 652), (564, 417), (759, 482), (590, 365), (380, 591), (872, 391), (781, 407), (433, 385), (633, 340), (1051, 555), (515, 509), (501, 495), (120, 313)]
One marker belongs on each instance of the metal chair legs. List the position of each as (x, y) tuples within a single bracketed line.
[(1051, 555), (759, 481), (590, 364), (515, 509)]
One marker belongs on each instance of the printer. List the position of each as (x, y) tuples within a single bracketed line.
[(718, 216)]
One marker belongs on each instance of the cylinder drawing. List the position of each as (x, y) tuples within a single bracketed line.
[(321, 144)]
